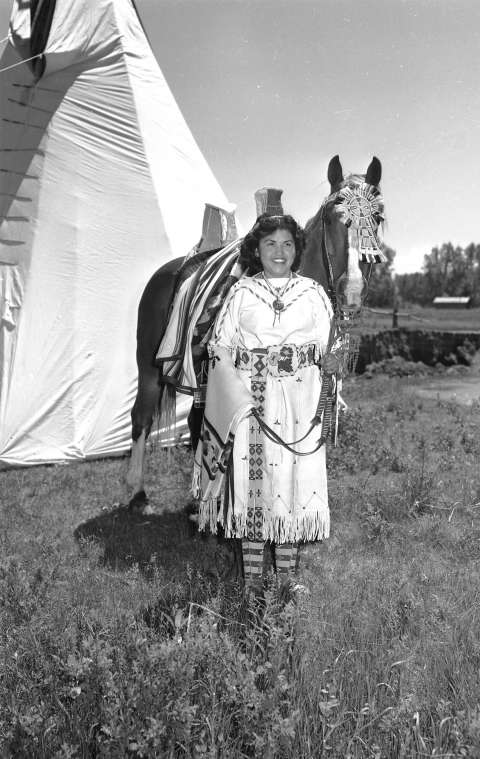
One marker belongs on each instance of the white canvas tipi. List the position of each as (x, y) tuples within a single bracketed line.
[(101, 182)]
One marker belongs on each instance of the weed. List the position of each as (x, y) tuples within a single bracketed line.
[(124, 641)]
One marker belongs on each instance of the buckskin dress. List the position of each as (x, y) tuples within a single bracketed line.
[(277, 495)]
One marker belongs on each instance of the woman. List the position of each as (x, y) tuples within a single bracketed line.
[(268, 340)]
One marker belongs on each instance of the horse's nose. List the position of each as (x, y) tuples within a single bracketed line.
[(351, 290), (353, 302)]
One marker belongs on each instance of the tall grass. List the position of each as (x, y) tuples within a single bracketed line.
[(119, 638)]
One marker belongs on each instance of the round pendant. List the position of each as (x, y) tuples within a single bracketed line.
[(278, 305)]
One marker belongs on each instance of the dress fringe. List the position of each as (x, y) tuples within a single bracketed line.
[(209, 514), (308, 527)]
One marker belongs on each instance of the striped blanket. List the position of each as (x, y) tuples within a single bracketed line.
[(195, 306)]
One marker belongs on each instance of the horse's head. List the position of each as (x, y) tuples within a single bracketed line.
[(343, 237)]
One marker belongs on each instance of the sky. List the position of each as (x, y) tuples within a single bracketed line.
[(272, 89)]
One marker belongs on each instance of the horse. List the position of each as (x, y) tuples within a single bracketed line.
[(331, 255)]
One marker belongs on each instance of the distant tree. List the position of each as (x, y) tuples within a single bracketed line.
[(447, 270), (450, 270), (382, 290), (437, 268), (412, 288), (472, 262)]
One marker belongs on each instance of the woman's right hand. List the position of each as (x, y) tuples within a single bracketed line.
[(330, 363)]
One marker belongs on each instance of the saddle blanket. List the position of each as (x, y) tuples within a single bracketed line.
[(191, 319)]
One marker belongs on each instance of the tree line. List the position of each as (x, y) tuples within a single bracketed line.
[(447, 270)]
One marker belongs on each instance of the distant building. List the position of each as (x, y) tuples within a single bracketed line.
[(445, 301)]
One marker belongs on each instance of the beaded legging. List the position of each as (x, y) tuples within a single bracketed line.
[(286, 555)]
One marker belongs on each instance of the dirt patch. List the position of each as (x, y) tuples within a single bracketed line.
[(464, 390), (395, 377)]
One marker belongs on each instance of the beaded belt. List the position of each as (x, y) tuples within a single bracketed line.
[(281, 360)]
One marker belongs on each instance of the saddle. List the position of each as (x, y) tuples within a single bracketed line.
[(202, 282)]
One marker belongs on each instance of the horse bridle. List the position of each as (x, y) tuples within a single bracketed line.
[(362, 209), (338, 326)]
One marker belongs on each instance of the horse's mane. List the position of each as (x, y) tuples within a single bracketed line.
[(312, 223)]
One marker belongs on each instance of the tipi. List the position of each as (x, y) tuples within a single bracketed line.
[(101, 182)]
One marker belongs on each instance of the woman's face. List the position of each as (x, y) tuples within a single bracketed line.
[(277, 253)]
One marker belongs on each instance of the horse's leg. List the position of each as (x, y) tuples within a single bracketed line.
[(153, 312), (134, 477), (144, 408), (135, 469)]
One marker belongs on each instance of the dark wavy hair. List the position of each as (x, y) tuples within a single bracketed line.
[(264, 226)]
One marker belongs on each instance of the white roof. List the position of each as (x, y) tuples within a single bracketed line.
[(101, 183), (452, 299)]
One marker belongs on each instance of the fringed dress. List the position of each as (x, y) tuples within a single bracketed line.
[(276, 495)]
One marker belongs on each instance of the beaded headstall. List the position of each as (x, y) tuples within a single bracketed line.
[(361, 210)]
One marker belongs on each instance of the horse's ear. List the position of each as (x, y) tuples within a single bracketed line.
[(335, 173), (374, 172)]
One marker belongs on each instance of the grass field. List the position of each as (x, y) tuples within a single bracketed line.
[(416, 317), (120, 639)]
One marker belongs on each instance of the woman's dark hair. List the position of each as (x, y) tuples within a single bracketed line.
[(264, 226)]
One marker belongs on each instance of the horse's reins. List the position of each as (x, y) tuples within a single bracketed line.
[(321, 414), (324, 411)]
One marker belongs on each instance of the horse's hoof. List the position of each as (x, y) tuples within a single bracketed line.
[(139, 504), (191, 510)]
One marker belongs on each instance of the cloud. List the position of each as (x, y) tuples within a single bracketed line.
[(410, 258)]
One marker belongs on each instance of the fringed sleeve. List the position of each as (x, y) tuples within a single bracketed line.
[(228, 402)]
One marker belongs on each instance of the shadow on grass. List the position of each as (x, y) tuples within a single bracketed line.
[(169, 541)]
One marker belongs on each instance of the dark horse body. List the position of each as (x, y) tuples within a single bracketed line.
[(326, 259)]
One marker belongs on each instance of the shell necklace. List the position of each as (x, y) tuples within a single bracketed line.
[(278, 305)]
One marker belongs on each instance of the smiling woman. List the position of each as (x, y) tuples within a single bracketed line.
[(277, 253), (266, 347), (274, 249)]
